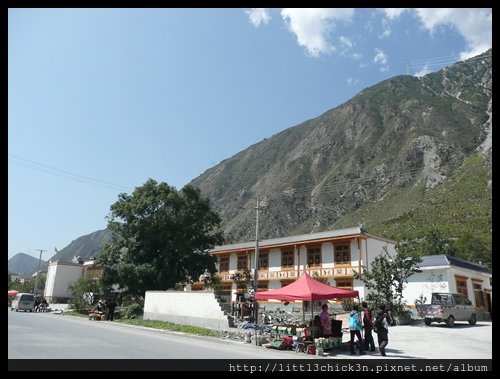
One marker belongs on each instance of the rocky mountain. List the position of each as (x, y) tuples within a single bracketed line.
[(24, 264), (86, 246), (405, 155)]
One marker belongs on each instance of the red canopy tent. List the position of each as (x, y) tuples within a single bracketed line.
[(306, 288), (12, 293)]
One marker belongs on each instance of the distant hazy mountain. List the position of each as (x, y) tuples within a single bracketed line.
[(86, 246), (24, 264)]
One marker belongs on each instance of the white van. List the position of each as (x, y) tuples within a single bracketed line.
[(23, 302)]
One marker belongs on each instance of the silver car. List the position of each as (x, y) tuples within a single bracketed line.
[(450, 307), (23, 302)]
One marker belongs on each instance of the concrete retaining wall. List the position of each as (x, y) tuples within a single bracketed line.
[(187, 308)]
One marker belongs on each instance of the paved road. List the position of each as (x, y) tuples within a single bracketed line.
[(52, 336)]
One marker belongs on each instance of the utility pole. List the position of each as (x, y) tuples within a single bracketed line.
[(38, 271), (256, 271)]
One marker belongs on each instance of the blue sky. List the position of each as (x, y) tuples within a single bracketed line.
[(100, 100)]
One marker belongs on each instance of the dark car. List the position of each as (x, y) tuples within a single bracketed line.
[(450, 307)]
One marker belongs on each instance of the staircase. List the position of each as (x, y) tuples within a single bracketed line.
[(226, 308)]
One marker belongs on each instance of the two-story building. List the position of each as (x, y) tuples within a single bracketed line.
[(333, 255)]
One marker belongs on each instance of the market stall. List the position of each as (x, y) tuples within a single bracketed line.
[(306, 288)]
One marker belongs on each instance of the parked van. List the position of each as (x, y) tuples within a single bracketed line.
[(450, 307), (23, 302)]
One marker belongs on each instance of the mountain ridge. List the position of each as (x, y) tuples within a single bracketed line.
[(404, 157)]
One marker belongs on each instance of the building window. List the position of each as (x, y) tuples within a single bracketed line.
[(262, 286), (342, 254), (225, 292), (478, 294), (223, 264), (287, 259), (286, 282), (344, 284), (314, 257), (263, 260), (462, 285), (94, 272), (242, 262)]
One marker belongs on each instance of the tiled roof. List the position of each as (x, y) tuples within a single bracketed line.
[(446, 260), (292, 239)]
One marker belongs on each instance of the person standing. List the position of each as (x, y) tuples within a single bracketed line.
[(111, 310), (355, 329), (382, 323), (326, 324), (369, 343)]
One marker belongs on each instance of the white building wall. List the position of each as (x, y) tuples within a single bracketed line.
[(372, 248), (274, 284), (59, 277), (233, 262), (187, 308), (327, 255), (50, 281), (438, 279), (425, 283), (303, 258), (353, 247), (274, 260)]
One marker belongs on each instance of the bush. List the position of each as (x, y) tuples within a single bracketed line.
[(133, 311), (347, 303)]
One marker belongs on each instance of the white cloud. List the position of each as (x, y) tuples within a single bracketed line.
[(369, 27), (424, 71), (356, 56), (386, 25), (393, 13), (363, 65), (313, 25), (390, 14), (352, 81), (345, 42), (258, 16), (380, 57), (474, 24)]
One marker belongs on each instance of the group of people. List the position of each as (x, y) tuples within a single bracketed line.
[(105, 308), (379, 325), (41, 304)]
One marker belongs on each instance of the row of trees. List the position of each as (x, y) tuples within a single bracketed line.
[(162, 237), (27, 285)]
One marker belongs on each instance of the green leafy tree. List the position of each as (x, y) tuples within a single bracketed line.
[(214, 282), (388, 275), (470, 247), (162, 237), (319, 278), (82, 286), (242, 278), (28, 285)]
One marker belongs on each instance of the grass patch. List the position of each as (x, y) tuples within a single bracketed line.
[(165, 325)]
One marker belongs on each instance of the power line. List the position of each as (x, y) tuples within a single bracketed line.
[(23, 162), (436, 61)]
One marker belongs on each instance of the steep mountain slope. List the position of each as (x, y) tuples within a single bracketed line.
[(390, 154), (85, 246)]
